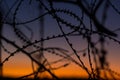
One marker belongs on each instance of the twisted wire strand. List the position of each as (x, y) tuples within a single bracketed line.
[(83, 31), (113, 6), (26, 53)]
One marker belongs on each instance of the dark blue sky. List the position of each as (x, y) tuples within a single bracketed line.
[(29, 12)]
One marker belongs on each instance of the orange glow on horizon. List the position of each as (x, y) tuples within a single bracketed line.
[(17, 68), (60, 73), (15, 72)]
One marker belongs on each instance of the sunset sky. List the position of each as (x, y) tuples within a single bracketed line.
[(20, 65)]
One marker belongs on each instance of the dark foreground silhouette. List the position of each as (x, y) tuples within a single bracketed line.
[(62, 78)]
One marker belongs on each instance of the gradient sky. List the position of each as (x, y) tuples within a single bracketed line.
[(20, 64)]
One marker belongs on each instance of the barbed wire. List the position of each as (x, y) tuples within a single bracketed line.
[(96, 55)]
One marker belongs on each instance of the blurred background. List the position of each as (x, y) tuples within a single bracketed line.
[(57, 45)]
